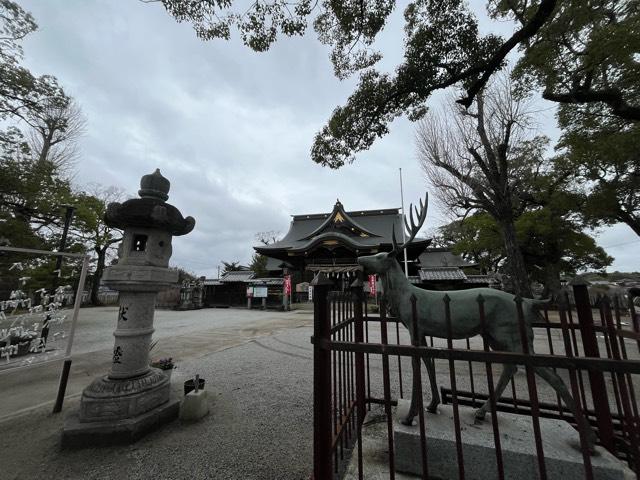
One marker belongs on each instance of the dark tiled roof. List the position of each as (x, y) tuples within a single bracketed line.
[(237, 276), (265, 281), (334, 268), (484, 279), (441, 273), (212, 281), (361, 229), (275, 264)]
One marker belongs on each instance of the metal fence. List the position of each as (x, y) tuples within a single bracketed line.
[(363, 361)]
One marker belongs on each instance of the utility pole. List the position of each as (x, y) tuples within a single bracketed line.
[(404, 235), (63, 244)]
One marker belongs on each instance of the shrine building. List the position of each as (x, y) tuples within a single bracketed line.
[(331, 243)]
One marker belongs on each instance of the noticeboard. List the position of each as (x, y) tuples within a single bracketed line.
[(260, 292)]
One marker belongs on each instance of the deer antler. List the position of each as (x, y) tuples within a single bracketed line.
[(421, 215)]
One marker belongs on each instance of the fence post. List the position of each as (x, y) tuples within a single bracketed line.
[(358, 293), (322, 465), (596, 379), (358, 299), (635, 317)]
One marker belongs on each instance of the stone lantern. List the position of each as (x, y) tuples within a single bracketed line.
[(133, 398)]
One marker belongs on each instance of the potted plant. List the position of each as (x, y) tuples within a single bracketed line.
[(164, 364)]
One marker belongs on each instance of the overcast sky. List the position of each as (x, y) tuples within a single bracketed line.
[(230, 128)]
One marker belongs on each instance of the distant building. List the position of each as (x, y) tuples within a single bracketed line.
[(440, 269), (229, 290)]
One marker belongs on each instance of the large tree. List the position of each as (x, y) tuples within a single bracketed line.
[(31, 194), (259, 261), (577, 51), (602, 153), (478, 159), (41, 124), (91, 229), (477, 238), (21, 92), (552, 245)]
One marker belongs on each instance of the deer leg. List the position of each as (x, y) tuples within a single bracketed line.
[(431, 370), (508, 370), (435, 396), (413, 409), (558, 385)]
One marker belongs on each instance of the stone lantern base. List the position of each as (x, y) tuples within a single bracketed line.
[(114, 411)]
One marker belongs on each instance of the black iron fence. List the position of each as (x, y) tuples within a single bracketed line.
[(363, 361)]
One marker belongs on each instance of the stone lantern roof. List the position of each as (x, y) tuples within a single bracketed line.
[(150, 210)]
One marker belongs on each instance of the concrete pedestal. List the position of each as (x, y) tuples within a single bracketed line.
[(194, 406), (78, 434), (562, 459)]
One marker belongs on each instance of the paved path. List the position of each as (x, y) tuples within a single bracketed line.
[(259, 426), (181, 335)]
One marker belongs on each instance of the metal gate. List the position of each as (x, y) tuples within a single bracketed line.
[(359, 360)]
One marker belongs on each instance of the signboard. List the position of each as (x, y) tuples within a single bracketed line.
[(36, 324), (250, 292), (260, 292), (310, 293), (287, 284), (372, 285)]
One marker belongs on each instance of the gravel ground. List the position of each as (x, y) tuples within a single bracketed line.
[(259, 427)]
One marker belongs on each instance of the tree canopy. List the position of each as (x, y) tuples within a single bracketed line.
[(576, 51), (602, 153)]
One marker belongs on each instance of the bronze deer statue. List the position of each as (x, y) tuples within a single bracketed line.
[(502, 330)]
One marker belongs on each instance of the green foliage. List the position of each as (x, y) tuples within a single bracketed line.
[(476, 238), (35, 183), (585, 55), (547, 242), (31, 193), (231, 267), (184, 274), (577, 51), (550, 241), (602, 153), (21, 92), (259, 265)]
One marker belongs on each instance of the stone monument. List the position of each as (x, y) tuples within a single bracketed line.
[(133, 398)]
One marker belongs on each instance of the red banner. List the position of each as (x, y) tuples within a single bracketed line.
[(287, 284), (372, 285)]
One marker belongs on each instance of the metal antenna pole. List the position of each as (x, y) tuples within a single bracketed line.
[(404, 237)]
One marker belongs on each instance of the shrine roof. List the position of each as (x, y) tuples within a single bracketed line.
[(359, 229), (441, 273), (266, 281), (442, 257), (276, 264), (237, 276)]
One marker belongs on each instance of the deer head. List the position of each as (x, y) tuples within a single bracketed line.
[(383, 262)]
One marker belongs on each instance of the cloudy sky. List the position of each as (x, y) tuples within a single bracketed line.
[(230, 128)]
